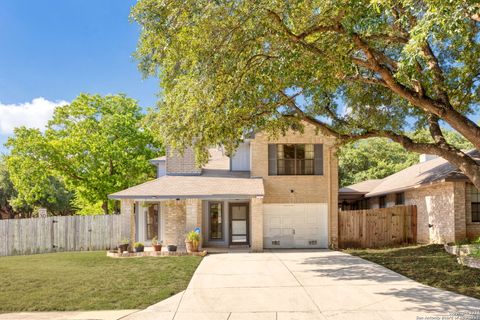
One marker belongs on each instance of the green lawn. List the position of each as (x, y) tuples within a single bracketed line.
[(430, 265), (90, 281)]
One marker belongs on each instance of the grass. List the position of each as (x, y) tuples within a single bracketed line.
[(90, 281), (429, 265)]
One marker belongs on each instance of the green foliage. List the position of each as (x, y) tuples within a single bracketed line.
[(7, 191), (85, 208), (92, 147), (193, 236), (430, 265), (154, 240), (377, 158), (138, 245), (32, 178), (225, 66), (90, 281), (373, 158)]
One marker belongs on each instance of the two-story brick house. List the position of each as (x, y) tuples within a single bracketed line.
[(269, 194)]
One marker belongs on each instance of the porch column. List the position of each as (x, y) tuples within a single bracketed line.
[(193, 216), (127, 209), (257, 224)]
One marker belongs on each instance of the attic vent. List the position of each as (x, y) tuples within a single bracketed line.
[(312, 242), (275, 242)]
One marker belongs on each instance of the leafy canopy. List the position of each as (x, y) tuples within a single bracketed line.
[(354, 68), (377, 158), (95, 145)]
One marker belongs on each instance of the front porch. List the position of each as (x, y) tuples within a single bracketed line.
[(233, 223)]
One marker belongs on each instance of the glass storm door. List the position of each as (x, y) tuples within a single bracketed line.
[(152, 221), (238, 223)]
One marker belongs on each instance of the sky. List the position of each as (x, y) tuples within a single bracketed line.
[(53, 50)]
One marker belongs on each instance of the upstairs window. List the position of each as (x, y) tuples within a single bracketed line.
[(399, 199), (474, 197), (295, 159)]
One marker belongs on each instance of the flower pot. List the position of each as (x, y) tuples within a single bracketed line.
[(122, 247), (171, 248), (191, 246), (139, 249), (157, 247)]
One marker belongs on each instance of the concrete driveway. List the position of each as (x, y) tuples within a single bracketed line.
[(304, 285)]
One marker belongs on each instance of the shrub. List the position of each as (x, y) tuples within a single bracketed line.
[(193, 236)]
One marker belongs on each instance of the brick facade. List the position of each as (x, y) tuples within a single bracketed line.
[(459, 210), (256, 208), (174, 213), (181, 216), (435, 207), (181, 163), (127, 211), (472, 228), (306, 189)]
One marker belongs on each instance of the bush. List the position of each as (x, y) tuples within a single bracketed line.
[(193, 236), (138, 245)]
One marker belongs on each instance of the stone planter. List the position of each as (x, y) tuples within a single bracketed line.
[(191, 246), (471, 262), (122, 248), (462, 250)]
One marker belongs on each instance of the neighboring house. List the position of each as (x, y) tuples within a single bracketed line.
[(269, 194), (448, 205)]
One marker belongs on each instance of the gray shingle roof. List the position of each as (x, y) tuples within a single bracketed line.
[(361, 187), (423, 173), (204, 186)]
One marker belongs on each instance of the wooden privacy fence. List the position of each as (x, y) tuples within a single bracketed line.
[(375, 228), (71, 233)]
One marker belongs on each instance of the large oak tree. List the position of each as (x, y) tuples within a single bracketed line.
[(96, 145), (353, 68)]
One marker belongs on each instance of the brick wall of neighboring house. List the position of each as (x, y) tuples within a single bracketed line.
[(435, 206), (181, 164), (473, 228), (174, 213), (306, 189), (459, 207)]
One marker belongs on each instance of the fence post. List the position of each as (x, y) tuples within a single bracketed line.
[(364, 228)]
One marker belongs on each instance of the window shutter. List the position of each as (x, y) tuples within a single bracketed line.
[(318, 156), (272, 159)]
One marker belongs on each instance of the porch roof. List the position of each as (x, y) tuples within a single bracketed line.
[(202, 186)]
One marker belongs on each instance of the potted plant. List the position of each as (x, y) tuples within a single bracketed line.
[(123, 246), (191, 241), (156, 246), (172, 248), (138, 247)]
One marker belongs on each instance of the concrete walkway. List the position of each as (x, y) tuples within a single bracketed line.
[(68, 315), (304, 285)]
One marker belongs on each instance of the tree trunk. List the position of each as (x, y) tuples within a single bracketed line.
[(105, 206), (464, 162)]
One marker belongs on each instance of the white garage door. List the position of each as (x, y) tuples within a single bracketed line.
[(299, 225)]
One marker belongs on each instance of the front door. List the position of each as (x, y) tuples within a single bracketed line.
[(239, 223), (151, 222)]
